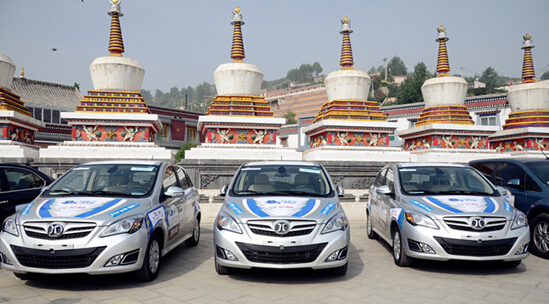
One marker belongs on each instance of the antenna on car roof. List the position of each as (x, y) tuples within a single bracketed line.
[(546, 157)]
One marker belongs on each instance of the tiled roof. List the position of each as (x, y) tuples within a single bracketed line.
[(37, 93), (306, 104)]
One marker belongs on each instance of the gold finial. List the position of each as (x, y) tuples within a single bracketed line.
[(441, 28), (237, 10), (346, 20), (527, 37), (115, 1), (22, 72)]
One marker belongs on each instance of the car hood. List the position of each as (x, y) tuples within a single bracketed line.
[(311, 208), (444, 205), (101, 210)]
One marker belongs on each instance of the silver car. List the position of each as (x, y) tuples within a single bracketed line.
[(281, 215), (444, 212), (101, 218)]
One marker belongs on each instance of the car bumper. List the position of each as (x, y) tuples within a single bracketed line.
[(310, 251), (85, 255), (447, 244)]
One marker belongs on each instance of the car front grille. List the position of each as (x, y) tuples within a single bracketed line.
[(462, 223), (72, 230), (476, 248), (56, 259), (297, 228), (281, 255)]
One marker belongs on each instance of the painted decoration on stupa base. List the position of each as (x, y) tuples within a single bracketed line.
[(349, 139), (111, 133), (521, 144), (445, 115), (447, 141), (533, 118), (113, 102), (240, 136), (240, 105), (17, 134), (350, 110)]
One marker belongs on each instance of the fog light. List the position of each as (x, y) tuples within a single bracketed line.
[(2, 258), (230, 256), (523, 249), (115, 260), (427, 249), (333, 256)]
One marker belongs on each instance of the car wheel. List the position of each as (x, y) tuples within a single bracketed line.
[(369, 229), (400, 257), (222, 270), (540, 235), (151, 264), (340, 271), (193, 240)]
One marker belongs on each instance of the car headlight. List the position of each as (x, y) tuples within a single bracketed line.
[(10, 226), (418, 219), (520, 220), (128, 225), (226, 222), (336, 223)]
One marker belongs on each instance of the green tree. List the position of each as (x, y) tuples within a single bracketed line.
[(181, 152), (410, 90), (305, 73), (545, 75), (397, 67), (147, 96), (290, 118), (489, 77)]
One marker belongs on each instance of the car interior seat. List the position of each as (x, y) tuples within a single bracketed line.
[(261, 184)]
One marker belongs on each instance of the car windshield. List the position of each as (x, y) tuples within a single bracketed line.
[(443, 180), (288, 180), (540, 169), (105, 180)]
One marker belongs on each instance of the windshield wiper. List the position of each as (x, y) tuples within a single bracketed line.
[(66, 192), (461, 191)]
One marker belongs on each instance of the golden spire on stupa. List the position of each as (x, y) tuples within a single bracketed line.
[(528, 73), (346, 52), (443, 66), (237, 50), (22, 72), (116, 44)]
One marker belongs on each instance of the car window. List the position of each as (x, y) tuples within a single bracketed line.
[(380, 178), (170, 178), (531, 184), (19, 179), (390, 179), (183, 178), (486, 168), (510, 175), (540, 169)]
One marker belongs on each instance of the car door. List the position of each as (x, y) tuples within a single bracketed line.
[(513, 178), (374, 198), (20, 186), (190, 204), (174, 205), (387, 202)]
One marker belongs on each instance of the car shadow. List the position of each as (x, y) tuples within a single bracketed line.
[(177, 262), (301, 276), (479, 268)]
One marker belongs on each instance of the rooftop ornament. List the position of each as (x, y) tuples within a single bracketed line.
[(528, 73), (237, 50), (346, 52), (443, 66), (116, 44)]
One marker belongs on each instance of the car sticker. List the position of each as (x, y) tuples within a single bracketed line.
[(326, 210), (173, 216), (153, 218), (265, 207), (464, 204), (421, 205), (397, 214), (510, 197), (235, 208), (124, 209), (77, 207), (507, 206), (27, 209)]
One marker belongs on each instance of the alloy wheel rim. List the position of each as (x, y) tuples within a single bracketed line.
[(396, 245), (541, 236), (154, 256), (368, 224), (196, 231)]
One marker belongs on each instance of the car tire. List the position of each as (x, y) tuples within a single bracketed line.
[(220, 269), (193, 240), (151, 263), (539, 244), (400, 257), (340, 271), (372, 235)]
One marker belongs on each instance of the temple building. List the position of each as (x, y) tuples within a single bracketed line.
[(526, 131), (445, 125), (113, 120), (239, 123), (348, 121), (17, 141)]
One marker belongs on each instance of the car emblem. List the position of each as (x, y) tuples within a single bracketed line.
[(281, 227), (55, 230), (477, 223)]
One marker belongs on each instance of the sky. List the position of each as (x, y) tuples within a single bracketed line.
[(181, 43)]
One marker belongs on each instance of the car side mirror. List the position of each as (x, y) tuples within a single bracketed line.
[(502, 191), (223, 190), (514, 182), (383, 190), (340, 191), (174, 191)]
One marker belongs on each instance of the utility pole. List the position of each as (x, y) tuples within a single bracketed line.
[(385, 60)]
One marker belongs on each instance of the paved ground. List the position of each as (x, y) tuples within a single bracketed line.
[(188, 276)]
